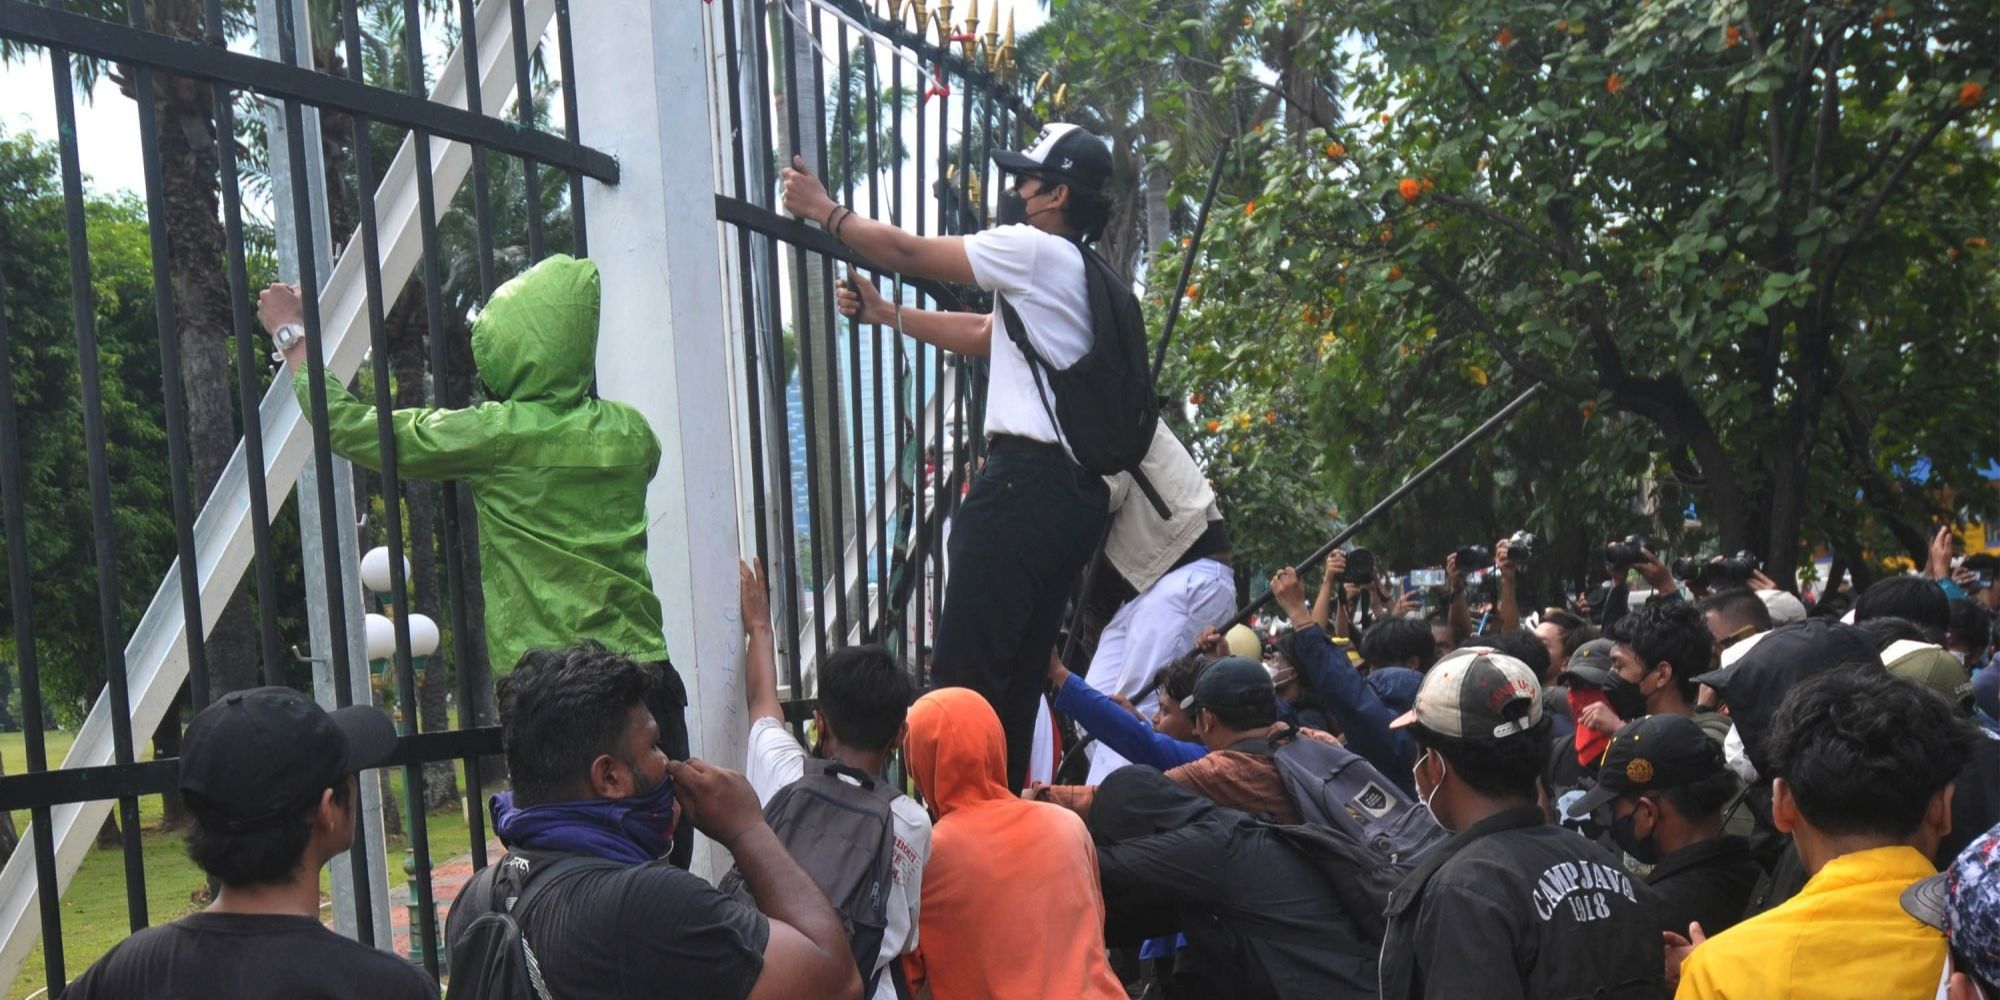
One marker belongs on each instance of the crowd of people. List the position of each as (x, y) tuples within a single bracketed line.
[(1700, 788)]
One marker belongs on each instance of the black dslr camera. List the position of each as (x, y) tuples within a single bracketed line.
[(1360, 567), (1626, 554), (1695, 571), (1521, 548), (1473, 557), (1734, 571)]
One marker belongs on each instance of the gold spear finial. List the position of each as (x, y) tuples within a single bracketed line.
[(971, 33), (944, 23), (922, 11)]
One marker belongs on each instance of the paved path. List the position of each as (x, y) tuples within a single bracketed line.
[(447, 878)]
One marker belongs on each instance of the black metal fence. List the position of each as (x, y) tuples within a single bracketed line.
[(899, 111), (150, 57)]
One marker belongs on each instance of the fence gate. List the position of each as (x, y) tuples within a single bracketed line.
[(415, 127)]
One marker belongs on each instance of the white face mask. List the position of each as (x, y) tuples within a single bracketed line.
[(1734, 756)]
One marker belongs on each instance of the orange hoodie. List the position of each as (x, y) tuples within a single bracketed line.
[(1011, 906)]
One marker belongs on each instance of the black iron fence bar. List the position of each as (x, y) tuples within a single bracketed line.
[(249, 364), (482, 185), (945, 501), (90, 385), (66, 785), (524, 109), (451, 530), (856, 414), (801, 336), (31, 24), (415, 822), (927, 472), (746, 284), (20, 599), (336, 587), (174, 393), (788, 607), (807, 238), (571, 130), (829, 327), (884, 495)]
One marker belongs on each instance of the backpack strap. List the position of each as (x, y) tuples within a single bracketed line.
[(1018, 333), (540, 878)]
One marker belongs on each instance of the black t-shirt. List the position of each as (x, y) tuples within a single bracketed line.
[(223, 956), (1710, 881), (646, 931), (1567, 779)]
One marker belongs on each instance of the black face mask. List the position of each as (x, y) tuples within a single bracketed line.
[(1646, 852), (1012, 210), (1624, 697)]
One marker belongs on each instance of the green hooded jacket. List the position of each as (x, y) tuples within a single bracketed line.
[(558, 477)]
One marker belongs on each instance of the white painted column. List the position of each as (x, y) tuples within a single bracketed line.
[(664, 341)]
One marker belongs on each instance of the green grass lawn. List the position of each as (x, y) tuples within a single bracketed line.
[(94, 911)]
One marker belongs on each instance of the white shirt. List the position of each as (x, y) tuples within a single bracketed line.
[(777, 760), (1042, 276)]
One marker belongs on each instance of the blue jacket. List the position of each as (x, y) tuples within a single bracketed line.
[(1123, 732), (1364, 718)]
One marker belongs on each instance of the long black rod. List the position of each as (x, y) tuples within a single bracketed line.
[(32, 24), (855, 421), (451, 529), (571, 128), (752, 381), (829, 320), (415, 822), (21, 601), (250, 367), (336, 588), (110, 632), (1491, 423), (882, 491), (524, 109), (815, 538), (1179, 291), (920, 365)]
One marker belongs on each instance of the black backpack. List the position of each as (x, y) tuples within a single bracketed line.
[(1335, 787), (491, 959), (843, 834), (1104, 403), (1360, 878)]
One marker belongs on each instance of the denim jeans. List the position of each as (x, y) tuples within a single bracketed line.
[(1018, 543)]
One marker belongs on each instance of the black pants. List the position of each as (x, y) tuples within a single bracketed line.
[(1017, 545), (668, 703)]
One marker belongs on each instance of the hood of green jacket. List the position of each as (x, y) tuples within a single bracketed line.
[(536, 340)]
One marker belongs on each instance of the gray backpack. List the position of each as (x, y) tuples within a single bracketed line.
[(1333, 786), (843, 834)]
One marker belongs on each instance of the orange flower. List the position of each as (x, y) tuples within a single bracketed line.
[(1588, 409), (1409, 189), (1732, 37), (1976, 242), (1196, 399), (1504, 38), (1270, 416), (1428, 183), (1249, 208), (1335, 151), (1386, 234), (1385, 117), (1562, 25), (1395, 272), (1214, 425), (1614, 83), (1194, 293), (1970, 95)]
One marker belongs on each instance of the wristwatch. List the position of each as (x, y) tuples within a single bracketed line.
[(286, 337)]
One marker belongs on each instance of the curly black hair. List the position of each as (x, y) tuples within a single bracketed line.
[(1669, 631), (1864, 752), (560, 710), (1913, 597)]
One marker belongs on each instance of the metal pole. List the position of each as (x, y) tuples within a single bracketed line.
[(1492, 423)]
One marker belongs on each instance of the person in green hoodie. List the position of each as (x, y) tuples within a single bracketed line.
[(558, 476)]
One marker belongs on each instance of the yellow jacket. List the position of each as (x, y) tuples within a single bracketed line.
[(1844, 935)]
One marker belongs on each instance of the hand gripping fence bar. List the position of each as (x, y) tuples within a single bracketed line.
[(1492, 423)]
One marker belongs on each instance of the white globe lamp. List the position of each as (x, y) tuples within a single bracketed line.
[(381, 637), (423, 635), (375, 569)]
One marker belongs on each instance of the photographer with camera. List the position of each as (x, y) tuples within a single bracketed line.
[(1356, 702), (1507, 556), (1622, 558)]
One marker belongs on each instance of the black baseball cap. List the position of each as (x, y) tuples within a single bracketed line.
[(1591, 663), (1063, 152), (1476, 693), (1650, 754), (1231, 682), (253, 758), (1756, 684)]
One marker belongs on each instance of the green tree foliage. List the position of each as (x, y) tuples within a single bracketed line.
[(1746, 245), (48, 394)]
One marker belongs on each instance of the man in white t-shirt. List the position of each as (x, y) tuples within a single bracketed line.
[(864, 697), (1034, 515)]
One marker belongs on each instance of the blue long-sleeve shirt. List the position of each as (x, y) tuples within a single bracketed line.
[(1124, 733), (1364, 718)]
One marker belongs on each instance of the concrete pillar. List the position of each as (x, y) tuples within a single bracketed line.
[(664, 341)]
